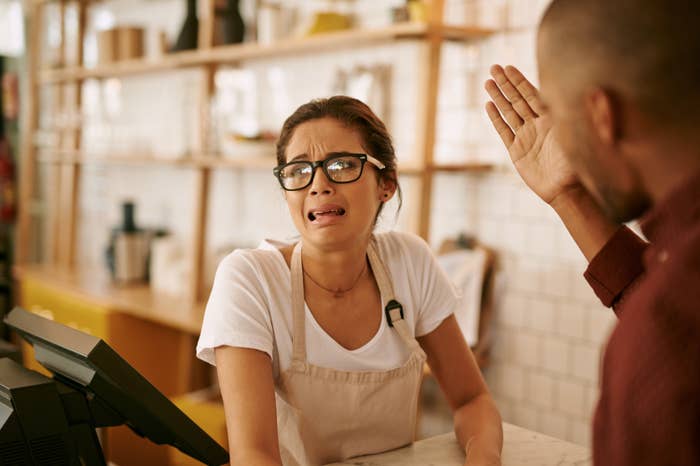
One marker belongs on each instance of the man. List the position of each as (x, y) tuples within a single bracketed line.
[(615, 136)]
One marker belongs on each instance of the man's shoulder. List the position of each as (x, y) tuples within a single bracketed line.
[(673, 285)]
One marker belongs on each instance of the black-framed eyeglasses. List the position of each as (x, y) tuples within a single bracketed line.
[(339, 167)]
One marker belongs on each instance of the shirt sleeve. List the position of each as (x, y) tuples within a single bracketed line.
[(616, 266), (237, 312), (438, 298)]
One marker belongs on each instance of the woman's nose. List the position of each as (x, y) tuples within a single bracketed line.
[(321, 184)]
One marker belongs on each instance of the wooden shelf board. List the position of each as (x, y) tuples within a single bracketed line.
[(465, 33), (122, 68), (410, 169), (248, 51), (135, 160), (65, 156), (243, 163), (48, 2), (137, 300), (250, 163), (315, 43), (203, 161), (472, 167)]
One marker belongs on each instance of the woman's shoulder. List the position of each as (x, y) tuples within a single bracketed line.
[(266, 258), (401, 243)]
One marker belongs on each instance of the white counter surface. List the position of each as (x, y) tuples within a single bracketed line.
[(521, 447)]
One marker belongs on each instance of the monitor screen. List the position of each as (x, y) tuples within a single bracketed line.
[(90, 365)]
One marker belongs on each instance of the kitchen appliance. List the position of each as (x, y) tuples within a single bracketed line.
[(128, 251)]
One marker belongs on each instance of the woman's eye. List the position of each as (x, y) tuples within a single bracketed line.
[(342, 164), (299, 171)]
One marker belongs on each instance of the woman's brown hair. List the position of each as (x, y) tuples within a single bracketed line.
[(356, 115)]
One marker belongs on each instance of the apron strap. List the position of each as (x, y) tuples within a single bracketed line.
[(298, 329), (393, 310)]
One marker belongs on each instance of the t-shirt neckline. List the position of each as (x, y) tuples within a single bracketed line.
[(309, 314)]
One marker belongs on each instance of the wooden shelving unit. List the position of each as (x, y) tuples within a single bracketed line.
[(218, 162), (233, 54), (65, 165)]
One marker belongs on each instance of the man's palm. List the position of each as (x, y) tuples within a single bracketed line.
[(527, 134)]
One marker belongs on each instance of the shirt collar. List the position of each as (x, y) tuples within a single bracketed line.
[(675, 214)]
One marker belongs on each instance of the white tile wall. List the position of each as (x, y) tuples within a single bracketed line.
[(552, 423), (540, 389), (556, 354), (527, 349), (549, 329), (584, 363), (570, 397), (542, 315)]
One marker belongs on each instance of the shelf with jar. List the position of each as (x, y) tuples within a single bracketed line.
[(214, 161), (112, 139), (88, 144), (230, 54)]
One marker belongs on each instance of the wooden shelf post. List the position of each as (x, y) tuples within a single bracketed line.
[(201, 201), (427, 111), (27, 168)]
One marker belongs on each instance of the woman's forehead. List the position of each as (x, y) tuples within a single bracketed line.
[(325, 135)]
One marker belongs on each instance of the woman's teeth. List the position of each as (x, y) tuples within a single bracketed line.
[(313, 215)]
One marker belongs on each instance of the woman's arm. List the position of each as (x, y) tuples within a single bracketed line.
[(476, 418), (247, 388)]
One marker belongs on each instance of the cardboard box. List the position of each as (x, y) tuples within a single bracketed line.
[(106, 46), (129, 42)]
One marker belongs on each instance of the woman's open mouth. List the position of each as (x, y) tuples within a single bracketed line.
[(324, 214)]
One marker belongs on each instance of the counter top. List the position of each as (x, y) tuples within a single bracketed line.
[(521, 447), (96, 287)]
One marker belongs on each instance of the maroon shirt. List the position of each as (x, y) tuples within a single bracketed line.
[(649, 409)]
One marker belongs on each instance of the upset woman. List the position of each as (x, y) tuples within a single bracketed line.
[(319, 345)]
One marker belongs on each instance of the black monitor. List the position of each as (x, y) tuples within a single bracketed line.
[(96, 388)]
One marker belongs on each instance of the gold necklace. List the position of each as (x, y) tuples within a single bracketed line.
[(336, 293)]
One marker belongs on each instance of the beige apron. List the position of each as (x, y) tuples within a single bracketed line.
[(326, 415)]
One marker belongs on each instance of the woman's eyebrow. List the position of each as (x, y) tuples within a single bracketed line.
[(339, 152), (305, 156), (300, 156)]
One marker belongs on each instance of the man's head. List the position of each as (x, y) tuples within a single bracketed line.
[(615, 73)]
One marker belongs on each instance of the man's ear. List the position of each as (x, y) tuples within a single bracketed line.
[(604, 114)]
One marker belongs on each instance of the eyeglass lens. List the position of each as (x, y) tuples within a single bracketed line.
[(344, 169)]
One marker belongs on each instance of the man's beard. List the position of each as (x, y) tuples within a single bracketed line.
[(622, 208)]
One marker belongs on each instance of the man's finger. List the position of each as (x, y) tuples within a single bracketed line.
[(526, 89), (502, 128), (517, 100), (504, 106)]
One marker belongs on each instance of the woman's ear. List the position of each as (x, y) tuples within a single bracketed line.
[(387, 188)]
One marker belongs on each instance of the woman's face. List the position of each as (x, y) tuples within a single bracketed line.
[(331, 215)]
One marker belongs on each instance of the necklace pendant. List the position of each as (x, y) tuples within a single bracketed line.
[(338, 294)]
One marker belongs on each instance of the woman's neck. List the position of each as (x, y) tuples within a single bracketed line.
[(337, 269)]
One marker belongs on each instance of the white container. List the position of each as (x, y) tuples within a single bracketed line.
[(274, 22), (169, 271)]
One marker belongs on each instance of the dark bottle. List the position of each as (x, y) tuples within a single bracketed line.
[(187, 38), (232, 22), (125, 231), (128, 222)]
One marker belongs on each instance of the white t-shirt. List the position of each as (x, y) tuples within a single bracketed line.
[(250, 307)]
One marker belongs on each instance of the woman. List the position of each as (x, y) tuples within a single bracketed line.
[(319, 345)]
